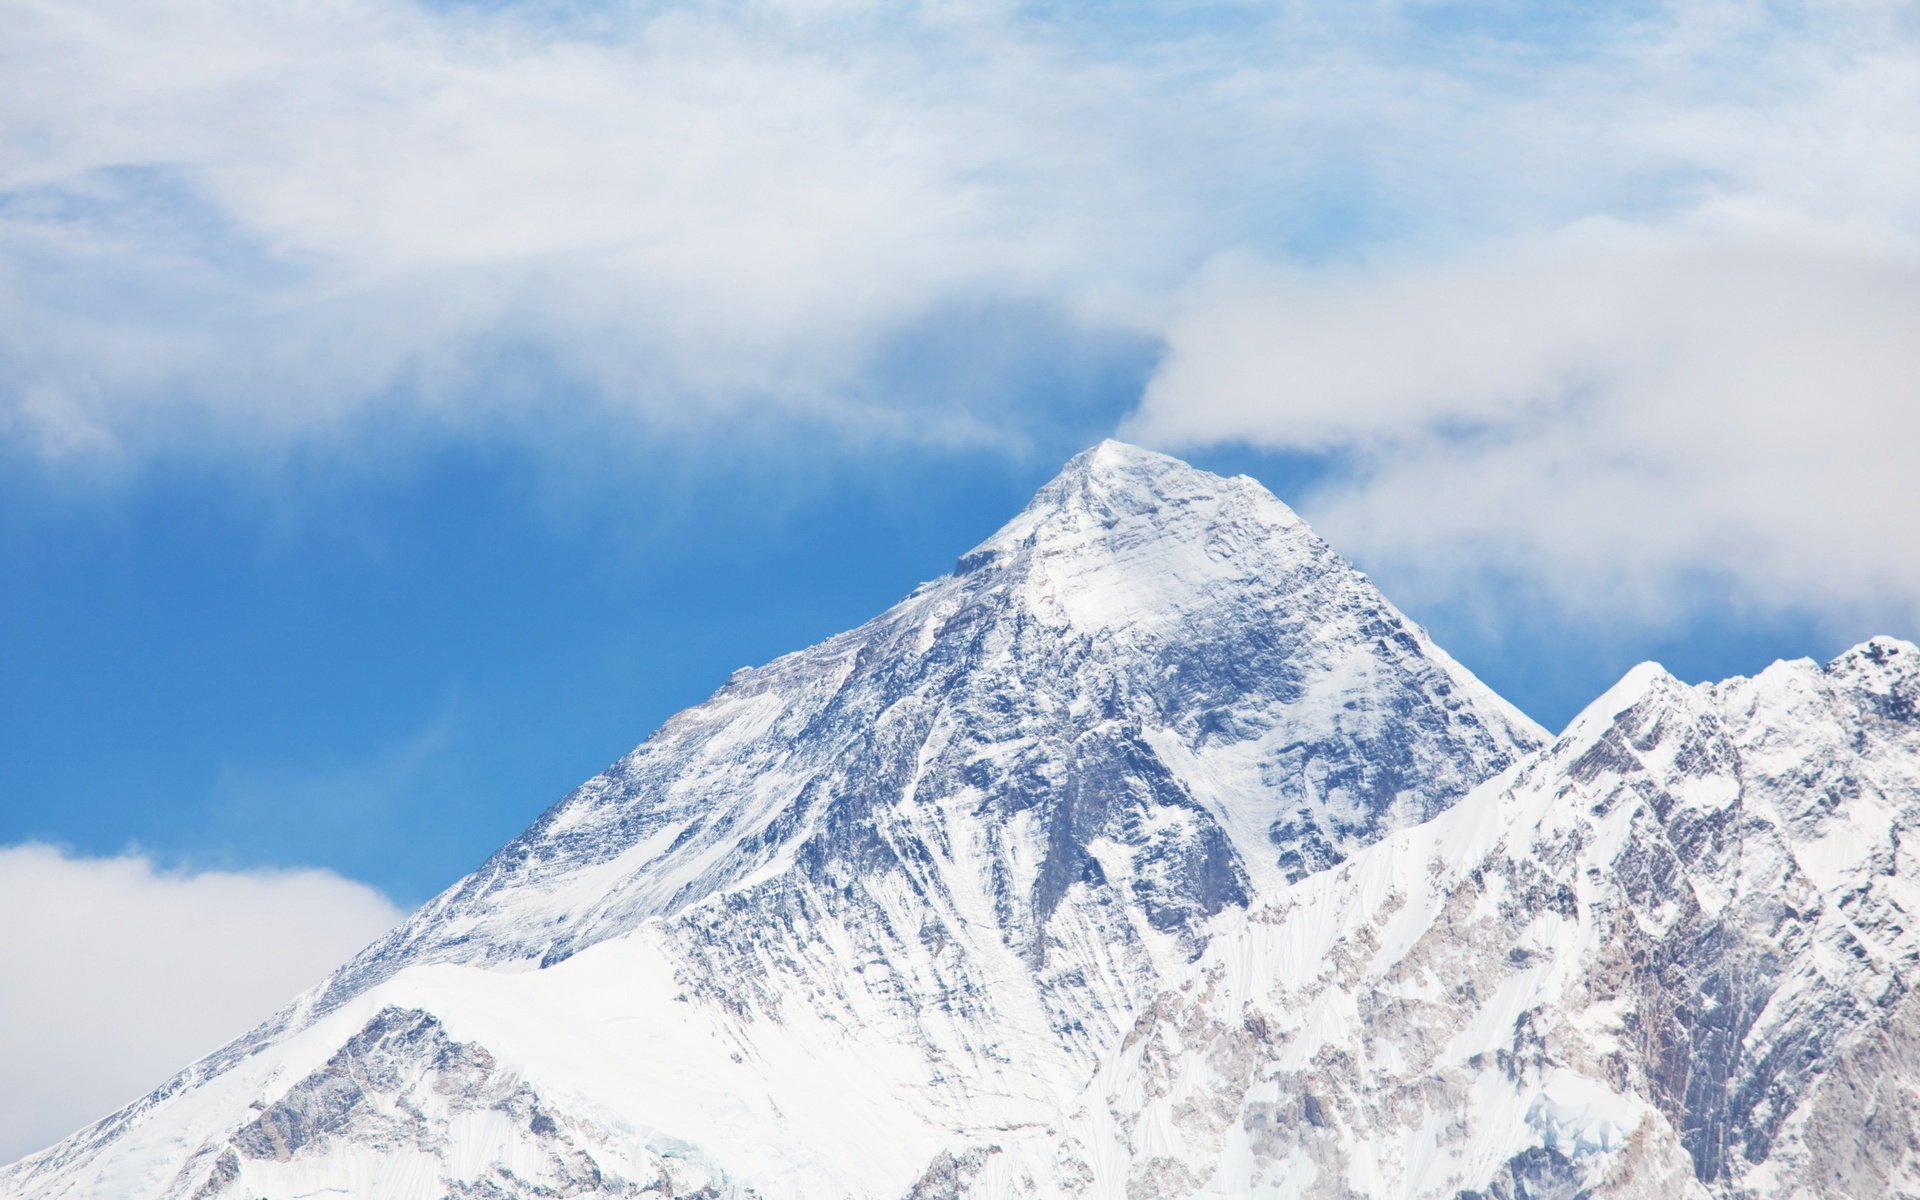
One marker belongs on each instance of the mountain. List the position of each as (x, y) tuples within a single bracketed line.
[(1150, 853), (872, 904), (1672, 954)]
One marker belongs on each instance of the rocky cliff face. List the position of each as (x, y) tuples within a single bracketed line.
[(1129, 859), (1671, 954)]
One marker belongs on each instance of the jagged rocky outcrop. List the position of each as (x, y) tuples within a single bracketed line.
[(1671, 954), (1150, 853)]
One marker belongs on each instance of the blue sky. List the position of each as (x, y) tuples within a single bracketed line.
[(389, 671), (404, 407)]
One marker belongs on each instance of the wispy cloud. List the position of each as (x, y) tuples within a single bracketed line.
[(154, 969), (1706, 402), (1471, 247), (1637, 420), (228, 221), (271, 221)]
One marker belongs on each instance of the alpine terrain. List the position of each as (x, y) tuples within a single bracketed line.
[(1151, 853)]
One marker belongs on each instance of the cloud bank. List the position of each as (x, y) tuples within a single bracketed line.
[(1604, 295), (1639, 414), (226, 221), (1635, 419), (120, 972)]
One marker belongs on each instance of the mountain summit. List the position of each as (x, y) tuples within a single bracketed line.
[(1151, 852), (871, 902)]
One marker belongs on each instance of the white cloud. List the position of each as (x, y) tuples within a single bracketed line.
[(119, 973), (272, 218), (1627, 248), (1639, 413), (1633, 419), (227, 220)]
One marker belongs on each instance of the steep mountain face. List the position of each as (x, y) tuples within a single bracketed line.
[(1671, 954), (865, 922), (1150, 854)]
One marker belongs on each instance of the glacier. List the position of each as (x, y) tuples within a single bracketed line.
[(1151, 852)]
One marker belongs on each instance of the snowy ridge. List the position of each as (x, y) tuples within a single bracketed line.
[(874, 908), (1672, 954)]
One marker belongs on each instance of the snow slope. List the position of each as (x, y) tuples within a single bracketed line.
[(1671, 954), (874, 908)]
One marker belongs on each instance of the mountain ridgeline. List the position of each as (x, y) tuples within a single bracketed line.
[(1150, 853)]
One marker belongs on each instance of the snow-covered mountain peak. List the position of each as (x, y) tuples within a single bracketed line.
[(950, 851), (1138, 612), (1642, 682), (1880, 676), (1126, 543), (1150, 853), (1116, 499), (1118, 466), (1884, 666), (1884, 649), (1670, 955), (1116, 478)]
